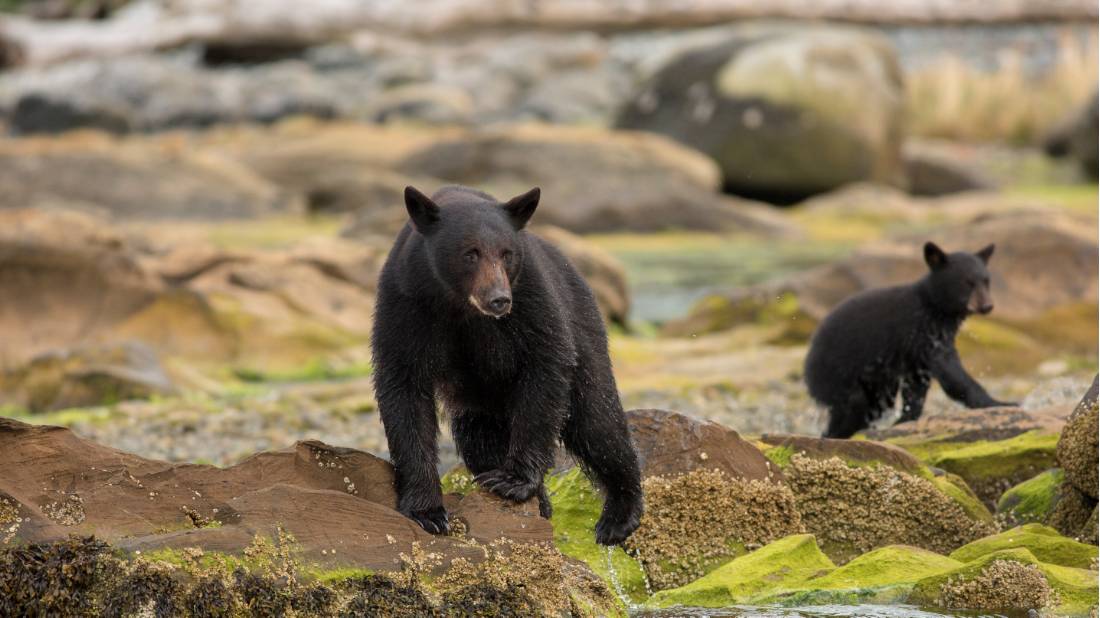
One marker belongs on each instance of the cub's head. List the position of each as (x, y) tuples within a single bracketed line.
[(473, 243), (959, 282)]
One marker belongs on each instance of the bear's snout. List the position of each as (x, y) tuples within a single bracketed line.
[(492, 293)]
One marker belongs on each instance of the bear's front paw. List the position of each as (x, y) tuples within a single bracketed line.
[(433, 520), (507, 485), (618, 522)]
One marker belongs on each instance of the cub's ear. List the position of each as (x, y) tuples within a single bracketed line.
[(986, 253), (521, 207), (934, 256), (423, 212)]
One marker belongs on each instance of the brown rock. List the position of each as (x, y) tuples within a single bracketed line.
[(863, 451), (338, 503), (974, 425), (645, 182), (671, 444), (1077, 447)]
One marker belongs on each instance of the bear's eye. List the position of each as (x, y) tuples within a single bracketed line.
[(506, 255), (471, 256)]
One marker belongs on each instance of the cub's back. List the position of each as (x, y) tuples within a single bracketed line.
[(871, 328)]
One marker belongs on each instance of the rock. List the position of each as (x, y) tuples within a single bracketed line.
[(147, 181), (938, 169), (577, 507), (766, 103), (781, 565), (71, 283), (1074, 514), (1043, 264), (63, 484), (854, 508), (1044, 543), (992, 449), (595, 180), (698, 521), (854, 452), (1011, 579), (1076, 137), (64, 276), (86, 376), (1077, 447), (671, 444), (882, 576), (1032, 500)]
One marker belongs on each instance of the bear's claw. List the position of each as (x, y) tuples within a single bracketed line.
[(434, 520), (507, 485), (617, 523)]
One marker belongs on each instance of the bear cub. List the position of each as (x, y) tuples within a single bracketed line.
[(879, 342), (497, 324)]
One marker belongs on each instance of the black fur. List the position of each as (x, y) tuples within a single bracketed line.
[(499, 325), (883, 341)]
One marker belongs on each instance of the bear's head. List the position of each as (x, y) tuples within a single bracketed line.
[(959, 282), (474, 244)]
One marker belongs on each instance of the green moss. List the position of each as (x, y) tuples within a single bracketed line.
[(780, 455), (1033, 499), (458, 480), (326, 576), (989, 467), (885, 575), (784, 565), (316, 370), (577, 506), (1076, 588), (1045, 543)]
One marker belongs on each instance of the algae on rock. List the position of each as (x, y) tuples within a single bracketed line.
[(1043, 542), (1033, 500), (780, 566)]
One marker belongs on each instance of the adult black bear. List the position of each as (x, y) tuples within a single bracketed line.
[(881, 341), (499, 325)]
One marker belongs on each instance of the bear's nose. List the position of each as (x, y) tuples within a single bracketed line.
[(500, 304), (984, 309)]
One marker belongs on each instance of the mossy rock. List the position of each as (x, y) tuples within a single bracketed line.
[(992, 467), (787, 322), (1075, 589), (577, 507), (1033, 500), (855, 508), (1045, 543), (698, 521), (784, 565), (883, 576)]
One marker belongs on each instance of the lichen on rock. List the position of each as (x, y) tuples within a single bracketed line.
[(697, 521), (1032, 500)]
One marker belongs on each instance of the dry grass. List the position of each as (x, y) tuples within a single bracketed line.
[(953, 100)]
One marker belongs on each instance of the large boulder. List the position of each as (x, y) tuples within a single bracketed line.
[(147, 180), (785, 111), (594, 180), (72, 282), (276, 520), (1075, 508)]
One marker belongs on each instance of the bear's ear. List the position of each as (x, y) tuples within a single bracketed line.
[(986, 253), (521, 207), (934, 256), (422, 210)]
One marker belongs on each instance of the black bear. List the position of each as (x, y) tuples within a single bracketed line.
[(881, 341), (498, 324)]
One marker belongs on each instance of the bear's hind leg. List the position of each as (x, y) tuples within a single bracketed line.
[(596, 433), (848, 419), (482, 441)]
